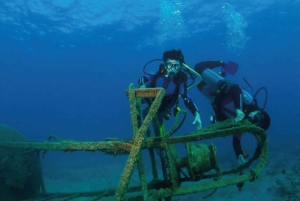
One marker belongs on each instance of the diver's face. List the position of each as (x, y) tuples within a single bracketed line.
[(172, 66)]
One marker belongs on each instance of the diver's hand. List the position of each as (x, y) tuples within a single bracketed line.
[(239, 115), (198, 120), (142, 86)]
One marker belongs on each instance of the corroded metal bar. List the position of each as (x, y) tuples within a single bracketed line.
[(223, 129), (70, 145), (133, 110), (96, 194), (162, 193), (146, 92), (173, 172), (142, 176), (135, 127), (137, 143), (150, 142)]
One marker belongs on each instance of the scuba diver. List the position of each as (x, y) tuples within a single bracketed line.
[(229, 100), (173, 77)]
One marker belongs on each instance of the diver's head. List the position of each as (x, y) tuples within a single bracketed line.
[(173, 60), (173, 55), (260, 118)]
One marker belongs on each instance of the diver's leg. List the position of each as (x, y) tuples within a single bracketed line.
[(236, 143), (240, 154)]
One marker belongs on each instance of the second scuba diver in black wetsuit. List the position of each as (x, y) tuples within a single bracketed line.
[(230, 100)]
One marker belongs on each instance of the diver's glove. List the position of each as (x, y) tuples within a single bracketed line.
[(198, 120), (142, 86), (239, 115)]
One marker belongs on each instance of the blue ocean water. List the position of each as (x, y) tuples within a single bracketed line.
[(65, 65)]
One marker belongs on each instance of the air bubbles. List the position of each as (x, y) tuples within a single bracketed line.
[(236, 24)]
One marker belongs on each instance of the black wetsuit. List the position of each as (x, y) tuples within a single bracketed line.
[(174, 87)]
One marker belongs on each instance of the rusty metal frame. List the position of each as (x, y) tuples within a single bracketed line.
[(142, 140)]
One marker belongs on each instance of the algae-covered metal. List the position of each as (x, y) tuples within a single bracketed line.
[(200, 162)]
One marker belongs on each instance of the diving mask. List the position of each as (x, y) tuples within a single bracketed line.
[(172, 69)]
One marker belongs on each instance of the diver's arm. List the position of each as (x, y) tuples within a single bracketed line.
[(194, 110), (190, 105), (188, 102), (235, 92)]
